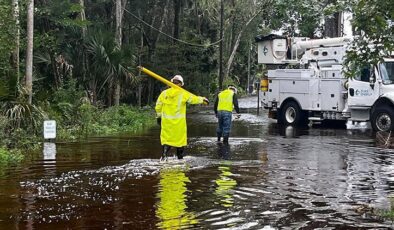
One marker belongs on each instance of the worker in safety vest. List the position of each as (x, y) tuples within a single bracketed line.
[(225, 102), (171, 115)]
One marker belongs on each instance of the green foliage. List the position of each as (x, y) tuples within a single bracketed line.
[(10, 157), (194, 64), (94, 121), (70, 93), (21, 114), (61, 13), (122, 119), (108, 63), (86, 114), (298, 18), (374, 23), (20, 123), (6, 37), (389, 213)]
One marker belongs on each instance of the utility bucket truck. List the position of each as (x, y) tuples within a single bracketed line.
[(306, 83)]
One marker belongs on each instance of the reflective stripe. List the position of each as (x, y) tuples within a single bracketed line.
[(176, 116), (178, 108)]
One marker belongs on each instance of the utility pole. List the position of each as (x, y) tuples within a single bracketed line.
[(221, 47)]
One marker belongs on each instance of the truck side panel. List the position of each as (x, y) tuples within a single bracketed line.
[(331, 95), (294, 83)]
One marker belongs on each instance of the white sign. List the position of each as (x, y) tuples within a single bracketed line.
[(50, 129)]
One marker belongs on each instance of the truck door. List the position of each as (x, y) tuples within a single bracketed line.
[(360, 92)]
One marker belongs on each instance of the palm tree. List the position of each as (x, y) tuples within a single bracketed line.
[(107, 63)]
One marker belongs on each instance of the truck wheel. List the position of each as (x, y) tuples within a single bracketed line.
[(383, 119), (291, 114)]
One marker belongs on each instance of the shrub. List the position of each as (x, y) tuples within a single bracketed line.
[(10, 157)]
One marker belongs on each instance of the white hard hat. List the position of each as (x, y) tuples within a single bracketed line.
[(178, 78), (233, 88)]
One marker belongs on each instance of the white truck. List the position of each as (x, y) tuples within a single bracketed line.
[(307, 84)]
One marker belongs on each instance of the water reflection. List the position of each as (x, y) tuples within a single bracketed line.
[(224, 151), (225, 185), (49, 151), (171, 208), (286, 131)]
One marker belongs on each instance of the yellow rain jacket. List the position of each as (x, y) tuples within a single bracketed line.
[(171, 107)]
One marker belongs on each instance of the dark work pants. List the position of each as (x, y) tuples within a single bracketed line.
[(224, 123)]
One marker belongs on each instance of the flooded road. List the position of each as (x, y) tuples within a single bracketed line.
[(268, 177)]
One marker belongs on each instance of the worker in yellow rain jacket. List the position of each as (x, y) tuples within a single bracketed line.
[(225, 102), (171, 113)]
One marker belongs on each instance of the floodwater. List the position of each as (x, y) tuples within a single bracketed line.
[(268, 177)]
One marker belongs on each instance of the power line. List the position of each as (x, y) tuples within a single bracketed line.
[(167, 35)]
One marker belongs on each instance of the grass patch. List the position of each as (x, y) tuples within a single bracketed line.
[(94, 121), (388, 214)]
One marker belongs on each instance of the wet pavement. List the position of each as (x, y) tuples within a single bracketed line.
[(268, 177)]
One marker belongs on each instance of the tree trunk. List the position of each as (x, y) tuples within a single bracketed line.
[(234, 50), (221, 46), (118, 29), (56, 76), (15, 53), (83, 17), (118, 41), (177, 8), (84, 33), (151, 43), (29, 51), (140, 96), (110, 90), (332, 26), (165, 12)]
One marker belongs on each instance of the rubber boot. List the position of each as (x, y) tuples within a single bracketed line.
[(164, 155), (225, 140), (219, 138), (179, 153)]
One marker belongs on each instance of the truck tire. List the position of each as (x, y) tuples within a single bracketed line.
[(383, 119), (291, 114)]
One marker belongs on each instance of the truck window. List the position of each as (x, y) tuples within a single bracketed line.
[(364, 75), (387, 72)]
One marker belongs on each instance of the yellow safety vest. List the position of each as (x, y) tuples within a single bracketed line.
[(171, 107), (226, 100)]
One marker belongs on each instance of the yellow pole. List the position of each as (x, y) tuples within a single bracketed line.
[(162, 79)]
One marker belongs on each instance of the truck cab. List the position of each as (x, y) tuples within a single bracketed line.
[(371, 96), (306, 83)]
